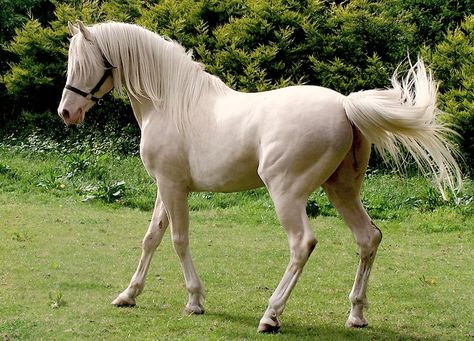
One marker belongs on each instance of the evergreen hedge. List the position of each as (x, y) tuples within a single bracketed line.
[(253, 45)]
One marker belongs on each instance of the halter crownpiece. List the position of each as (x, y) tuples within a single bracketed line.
[(91, 95)]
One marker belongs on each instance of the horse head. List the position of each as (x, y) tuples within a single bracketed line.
[(89, 76)]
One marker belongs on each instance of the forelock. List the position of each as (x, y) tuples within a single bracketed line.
[(83, 57)]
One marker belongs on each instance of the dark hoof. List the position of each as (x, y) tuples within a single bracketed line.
[(193, 310), (123, 302), (356, 323), (268, 329), (124, 305), (354, 326)]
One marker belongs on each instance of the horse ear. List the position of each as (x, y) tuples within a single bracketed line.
[(73, 30), (84, 30)]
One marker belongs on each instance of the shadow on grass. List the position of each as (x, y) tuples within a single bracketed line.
[(299, 331)]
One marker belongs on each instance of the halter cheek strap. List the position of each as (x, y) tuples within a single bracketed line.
[(91, 95)]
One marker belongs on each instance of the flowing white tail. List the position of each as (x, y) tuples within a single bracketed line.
[(405, 117)]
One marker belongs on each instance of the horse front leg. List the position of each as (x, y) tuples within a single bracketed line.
[(176, 202), (153, 237)]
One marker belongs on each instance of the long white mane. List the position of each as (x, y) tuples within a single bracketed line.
[(150, 66)]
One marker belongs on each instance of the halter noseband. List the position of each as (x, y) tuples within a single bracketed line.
[(91, 95)]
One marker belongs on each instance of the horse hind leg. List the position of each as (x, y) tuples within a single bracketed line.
[(343, 190), (301, 240), (289, 192)]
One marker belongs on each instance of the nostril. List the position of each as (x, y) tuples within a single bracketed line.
[(65, 114)]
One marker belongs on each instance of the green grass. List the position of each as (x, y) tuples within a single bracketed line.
[(51, 169), (421, 286), (63, 260)]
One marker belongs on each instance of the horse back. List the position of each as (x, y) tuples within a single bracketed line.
[(244, 133)]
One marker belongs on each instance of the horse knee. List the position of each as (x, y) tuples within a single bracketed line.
[(149, 241), (153, 235)]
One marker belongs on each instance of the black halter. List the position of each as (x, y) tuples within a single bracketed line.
[(91, 95)]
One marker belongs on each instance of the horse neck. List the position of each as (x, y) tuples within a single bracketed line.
[(182, 106), (151, 68), (142, 108)]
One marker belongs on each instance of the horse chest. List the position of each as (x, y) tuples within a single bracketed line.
[(164, 158)]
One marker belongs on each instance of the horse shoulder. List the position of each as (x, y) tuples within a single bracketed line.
[(163, 152)]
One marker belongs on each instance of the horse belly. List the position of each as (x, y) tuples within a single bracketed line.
[(221, 172)]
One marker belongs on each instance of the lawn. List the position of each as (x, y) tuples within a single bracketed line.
[(63, 262), (65, 256)]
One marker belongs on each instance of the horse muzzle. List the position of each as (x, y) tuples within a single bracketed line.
[(70, 118)]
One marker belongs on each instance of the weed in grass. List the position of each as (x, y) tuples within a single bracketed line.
[(413, 201), (384, 195), (428, 281), (56, 299), (7, 172), (97, 174), (51, 179), (106, 190), (433, 199), (4, 169), (39, 144), (21, 237), (78, 163), (55, 266)]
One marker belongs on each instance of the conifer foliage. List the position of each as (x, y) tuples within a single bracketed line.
[(253, 45)]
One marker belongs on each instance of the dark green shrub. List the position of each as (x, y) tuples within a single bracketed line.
[(253, 45), (453, 63)]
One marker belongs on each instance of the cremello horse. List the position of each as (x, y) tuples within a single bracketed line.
[(199, 135)]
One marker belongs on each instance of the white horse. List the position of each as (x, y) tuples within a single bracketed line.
[(199, 135)]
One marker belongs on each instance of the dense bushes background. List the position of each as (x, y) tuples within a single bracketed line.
[(253, 45)]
